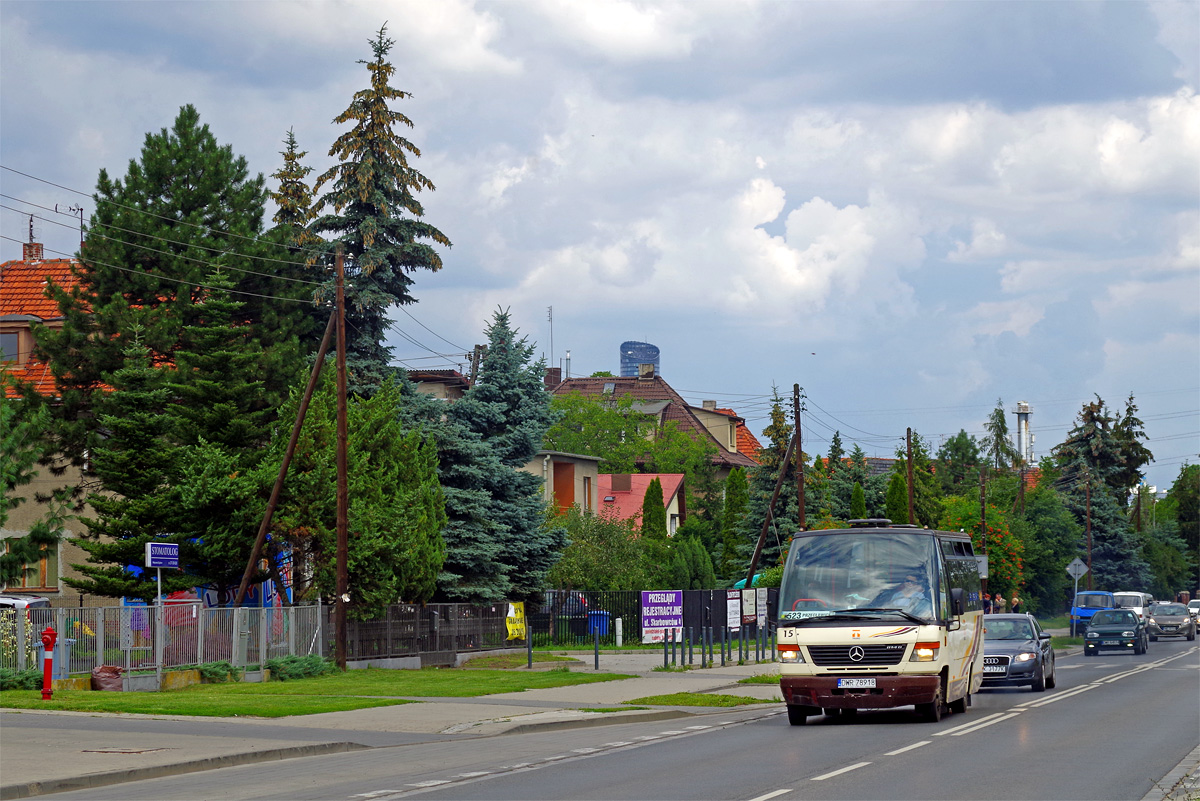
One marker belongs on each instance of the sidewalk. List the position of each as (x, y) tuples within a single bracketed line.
[(45, 752)]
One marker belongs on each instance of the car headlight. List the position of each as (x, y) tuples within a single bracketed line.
[(1025, 657), (1126, 633), (1091, 634), (1153, 622), (790, 654)]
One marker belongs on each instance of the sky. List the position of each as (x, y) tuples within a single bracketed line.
[(914, 211)]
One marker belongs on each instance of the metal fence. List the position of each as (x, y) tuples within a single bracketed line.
[(129, 636), (435, 634), (570, 618)]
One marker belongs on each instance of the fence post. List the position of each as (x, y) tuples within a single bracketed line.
[(264, 638), (200, 629), (158, 642), (99, 629), (291, 629), (596, 636), (665, 663)]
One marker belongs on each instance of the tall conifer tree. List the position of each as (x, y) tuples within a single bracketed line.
[(376, 216)]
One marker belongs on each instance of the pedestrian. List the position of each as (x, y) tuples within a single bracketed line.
[(987, 603), (1014, 603), (999, 605)]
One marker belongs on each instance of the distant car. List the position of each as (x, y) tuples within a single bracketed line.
[(14, 601), (1137, 601), (1194, 608), (1087, 604), (1170, 620), (1015, 652), (1115, 630)]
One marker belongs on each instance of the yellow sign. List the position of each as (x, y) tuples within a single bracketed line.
[(516, 621)]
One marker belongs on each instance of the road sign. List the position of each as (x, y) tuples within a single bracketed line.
[(1077, 568), (162, 554)]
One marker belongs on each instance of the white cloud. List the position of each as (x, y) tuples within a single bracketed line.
[(987, 241), (624, 31)]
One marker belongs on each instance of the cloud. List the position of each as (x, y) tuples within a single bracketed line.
[(987, 241)]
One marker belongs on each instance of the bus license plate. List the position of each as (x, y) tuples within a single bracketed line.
[(995, 669), (856, 683)]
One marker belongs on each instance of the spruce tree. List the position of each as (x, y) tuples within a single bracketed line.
[(375, 216), (998, 444), (186, 206), (137, 464), (1130, 432)]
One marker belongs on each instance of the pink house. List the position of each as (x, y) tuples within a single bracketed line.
[(623, 494)]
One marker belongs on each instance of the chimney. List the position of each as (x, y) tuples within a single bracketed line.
[(645, 371), (621, 482), (31, 251), (553, 377), (709, 405)]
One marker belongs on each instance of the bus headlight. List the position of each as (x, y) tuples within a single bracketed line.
[(924, 652), (790, 654)]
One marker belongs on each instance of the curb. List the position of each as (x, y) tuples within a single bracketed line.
[(14, 791), (605, 719)]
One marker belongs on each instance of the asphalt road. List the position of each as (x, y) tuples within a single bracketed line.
[(1114, 726)]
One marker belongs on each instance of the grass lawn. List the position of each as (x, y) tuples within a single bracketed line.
[(509, 661), (354, 689), (700, 699), (761, 678)]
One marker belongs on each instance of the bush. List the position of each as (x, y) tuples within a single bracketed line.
[(30, 679), (285, 668), (216, 672)]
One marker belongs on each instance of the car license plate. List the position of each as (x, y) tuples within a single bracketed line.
[(995, 669), (1168, 628), (1111, 642), (856, 684)]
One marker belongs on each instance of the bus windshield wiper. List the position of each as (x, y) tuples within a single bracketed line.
[(878, 610)]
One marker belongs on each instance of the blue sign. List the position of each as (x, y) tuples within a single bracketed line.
[(162, 554)]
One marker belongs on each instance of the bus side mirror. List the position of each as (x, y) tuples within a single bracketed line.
[(958, 601)]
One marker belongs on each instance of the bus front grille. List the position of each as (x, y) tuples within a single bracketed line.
[(826, 655)]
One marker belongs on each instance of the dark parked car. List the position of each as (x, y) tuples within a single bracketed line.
[(1015, 652), (1115, 630), (1170, 620)]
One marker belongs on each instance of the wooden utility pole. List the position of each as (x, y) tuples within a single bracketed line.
[(762, 537), (912, 518), (799, 455), (287, 460), (343, 494)]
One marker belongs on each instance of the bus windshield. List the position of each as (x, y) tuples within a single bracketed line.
[(836, 574)]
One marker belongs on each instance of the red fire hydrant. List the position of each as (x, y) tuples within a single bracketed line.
[(49, 636)]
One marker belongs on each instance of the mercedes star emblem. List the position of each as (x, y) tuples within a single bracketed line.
[(857, 653)]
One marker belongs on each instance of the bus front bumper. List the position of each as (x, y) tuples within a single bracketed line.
[(888, 692)]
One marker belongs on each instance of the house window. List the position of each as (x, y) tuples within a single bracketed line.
[(10, 347), (672, 524), (40, 575), (587, 493)]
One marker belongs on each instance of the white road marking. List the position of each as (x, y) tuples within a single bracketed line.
[(1068, 694), (617, 744), (1068, 667), (377, 794), (770, 795), (475, 773), (985, 725), (908, 748), (433, 783), (840, 771), (584, 750), (967, 725), (669, 733), (697, 728)]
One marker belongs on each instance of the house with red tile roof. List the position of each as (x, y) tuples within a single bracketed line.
[(654, 396), (24, 300), (622, 494)]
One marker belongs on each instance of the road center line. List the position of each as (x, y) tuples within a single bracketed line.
[(967, 725), (840, 771), (770, 795), (908, 748), (985, 725)]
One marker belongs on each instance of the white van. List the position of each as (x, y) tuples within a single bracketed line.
[(1137, 601)]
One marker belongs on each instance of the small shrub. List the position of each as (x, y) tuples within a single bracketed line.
[(218, 672), (285, 668), (30, 679)]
